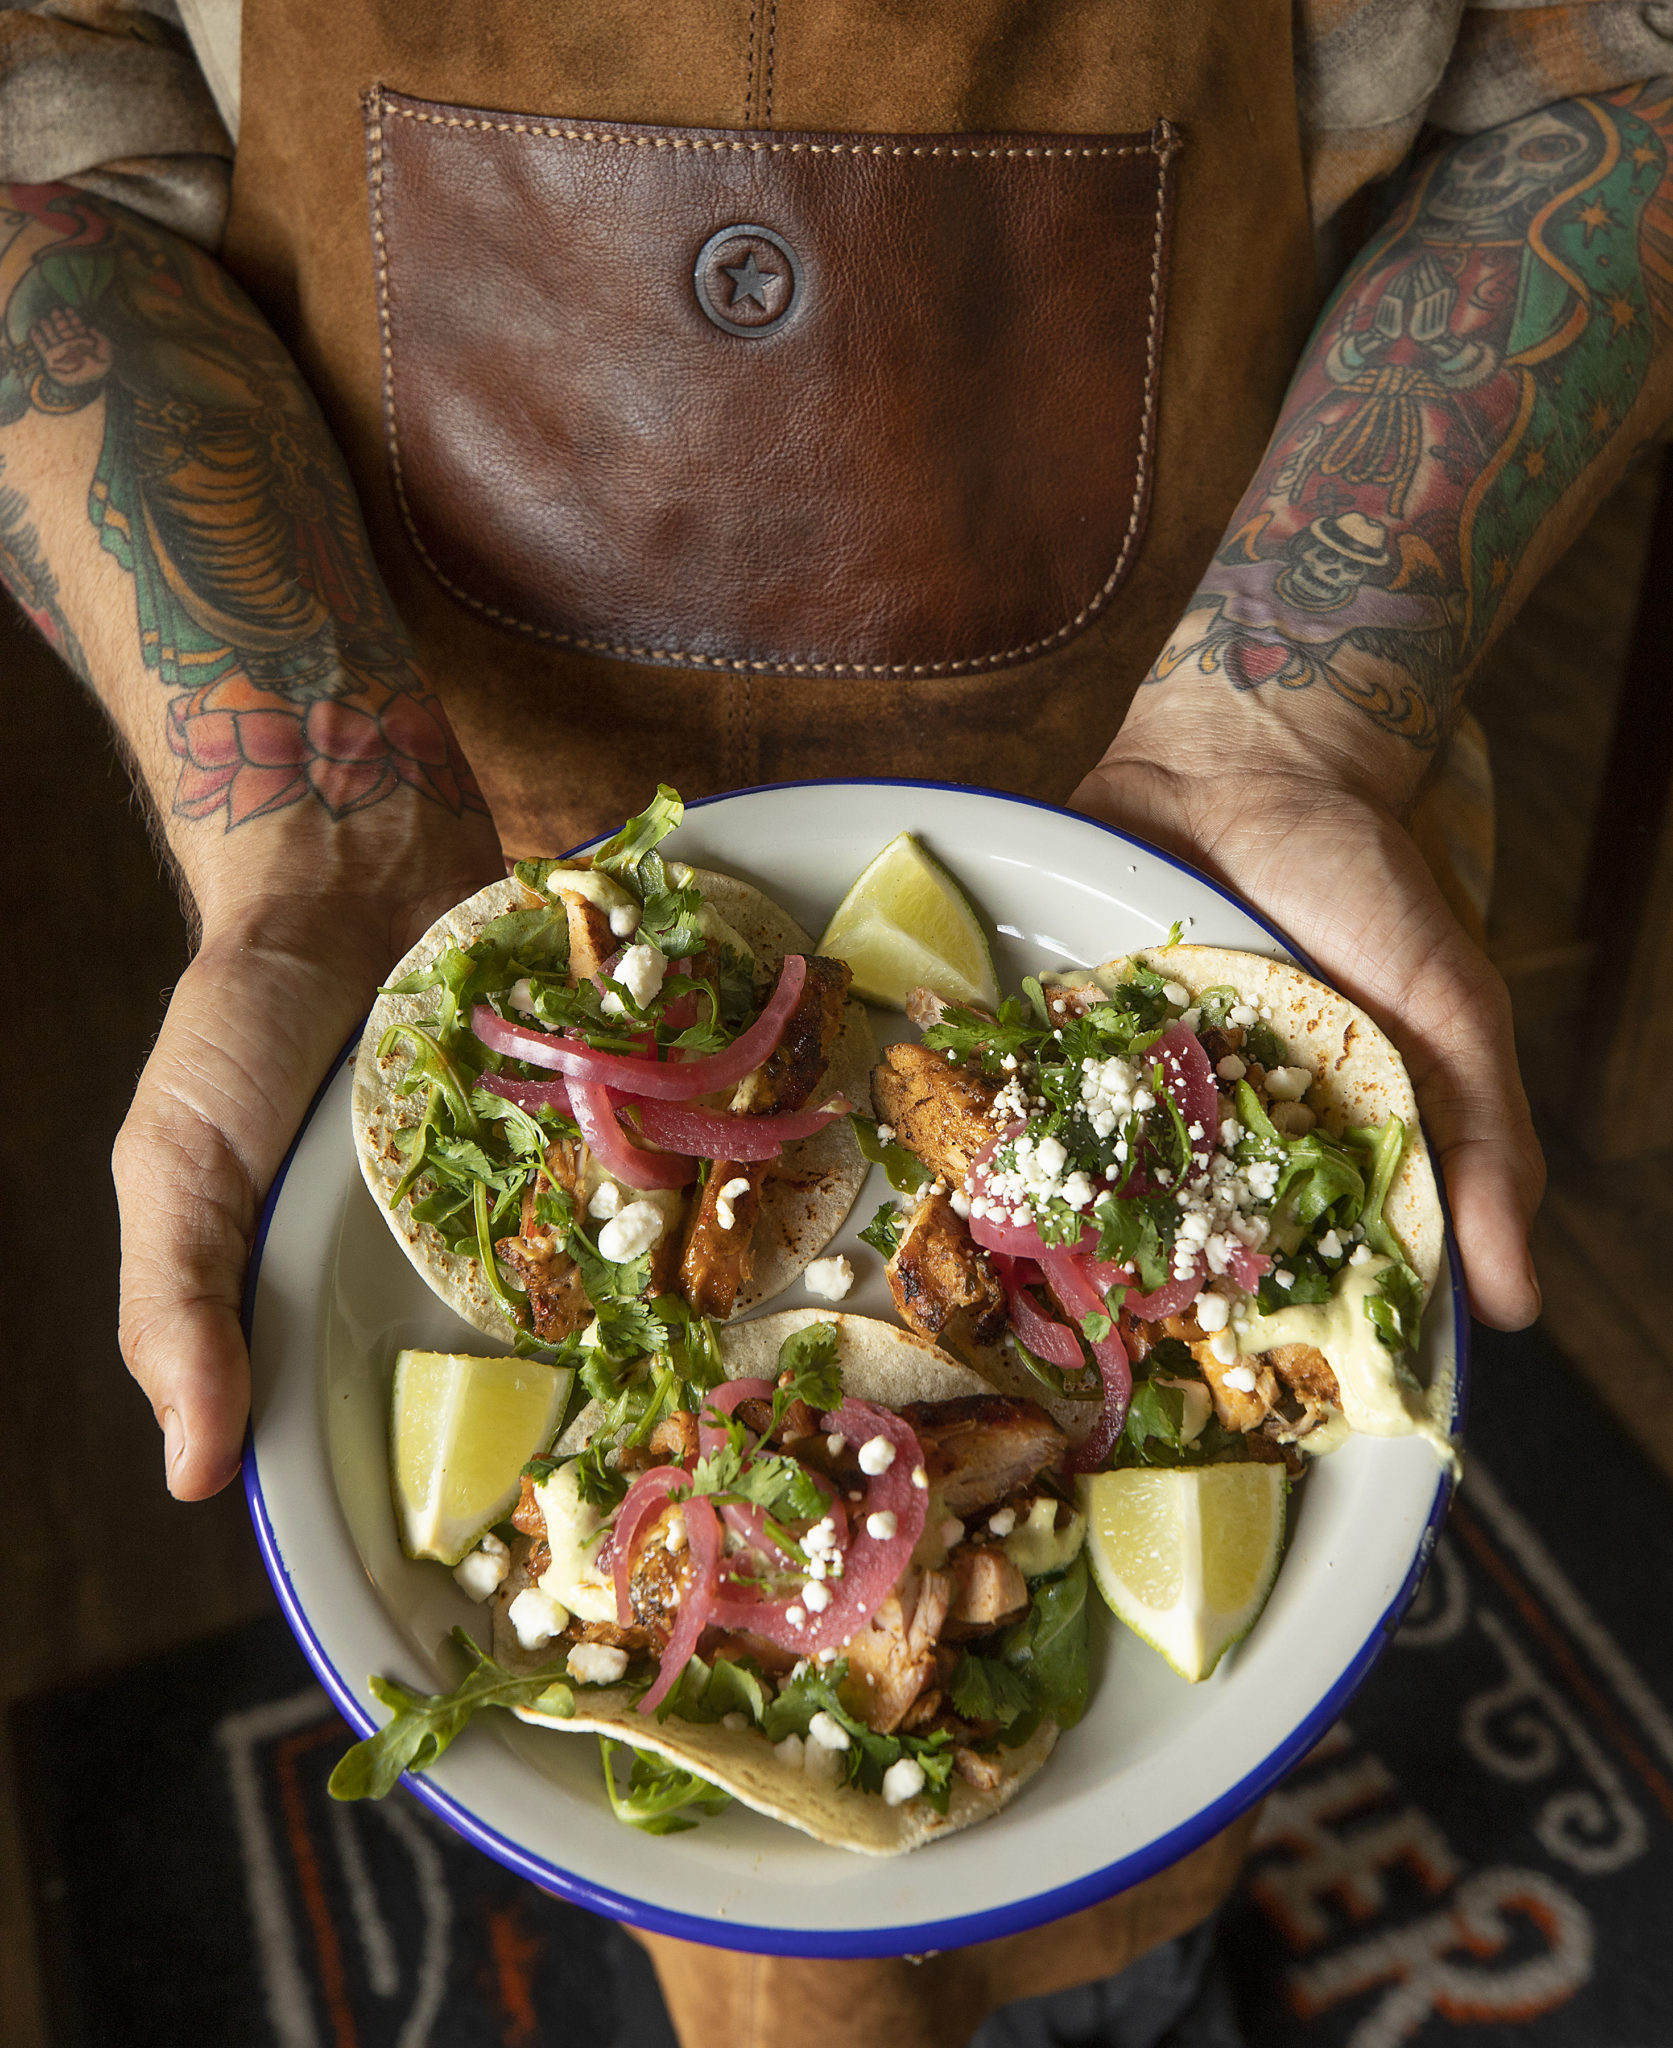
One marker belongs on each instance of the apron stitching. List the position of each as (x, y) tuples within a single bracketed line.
[(749, 67), (772, 50), (1163, 144)]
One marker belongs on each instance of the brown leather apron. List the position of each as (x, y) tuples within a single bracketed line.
[(742, 390)]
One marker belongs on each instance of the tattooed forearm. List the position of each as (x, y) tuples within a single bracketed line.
[(1463, 402), (219, 492)]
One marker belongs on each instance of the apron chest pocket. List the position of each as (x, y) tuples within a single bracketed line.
[(767, 402)]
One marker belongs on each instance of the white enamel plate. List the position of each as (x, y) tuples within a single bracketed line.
[(1156, 1767)]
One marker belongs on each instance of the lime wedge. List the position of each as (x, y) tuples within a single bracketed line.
[(907, 924), (1186, 1557), (460, 1432)]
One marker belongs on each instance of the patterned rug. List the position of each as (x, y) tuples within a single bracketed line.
[(1482, 1852)]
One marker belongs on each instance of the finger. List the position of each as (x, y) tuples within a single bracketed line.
[(186, 1206)]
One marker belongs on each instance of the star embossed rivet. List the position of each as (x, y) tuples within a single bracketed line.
[(749, 281)]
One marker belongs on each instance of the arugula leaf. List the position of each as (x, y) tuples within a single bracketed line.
[(423, 1724), (620, 856), (659, 1794), (1395, 1307), (1262, 1043), (1049, 1647), (708, 1692), (1214, 1005), (1053, 1378), (1386, 1143), (431, 1063), (883, 1232), (906, 1172)]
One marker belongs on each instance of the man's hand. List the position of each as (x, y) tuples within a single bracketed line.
[(274, 992), (1335, 870)]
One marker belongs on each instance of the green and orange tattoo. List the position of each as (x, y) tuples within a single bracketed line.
[(1479, 358), (219, 491)]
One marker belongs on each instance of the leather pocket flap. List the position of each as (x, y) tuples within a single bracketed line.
[(788, 403)]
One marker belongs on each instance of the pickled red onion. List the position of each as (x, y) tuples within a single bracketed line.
[(594, 1111), (697, 1598), (1190, 1081), (1079, 1298), (665, 1080), (1044, 1335), (529, 1095), (710, 1134), (643, 1497)]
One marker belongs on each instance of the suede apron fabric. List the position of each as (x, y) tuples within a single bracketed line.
[(566, 742)]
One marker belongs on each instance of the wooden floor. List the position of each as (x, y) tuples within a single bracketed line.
[(98, 1565)]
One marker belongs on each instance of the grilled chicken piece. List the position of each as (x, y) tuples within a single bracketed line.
[(1073, 1001), (659, 1577), (717, 1259), (988, 1591), (633, 1639), (790, 1074), (984, 1772), (1306, 1371), (757, 1415), (591, 941), (939, 1111), (942, 1282), (924, 1008), (981, 1447), (528, 1518), (674, 1439), (558, 1304), (1234, 1408), (892, 1659)]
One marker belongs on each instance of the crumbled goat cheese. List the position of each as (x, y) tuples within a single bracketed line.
[(521, 997), (885, 1134), (821, 1762), (1002, 1521), (1288, 1084), (1284, 1277), (1330, 1246), (827, 1731), (1177, 993), (606, 1201), (952, 1531), (882, 1524), (920, 1478), (834, 1443), (816, 1597), (1223, 1346), (1294, 1119), (877, 1454), (735, 1721), (483, 1571), (597, 1664), (829, 1278), (1231, 1068), (640, 971), (725, 1215), (631, 1231), (789, 1752), (821, 1538), (624, 920), (796, 1616), (903, 1780), (960, 1201), (536, 1617), (1242, 1377), (1240, 1014), (1213, 1311), (1361, 1255), (675, 1539)]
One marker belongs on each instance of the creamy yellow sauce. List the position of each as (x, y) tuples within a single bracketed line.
[(573, 1577), (1037, 1546), (1378, 1398), (604, 892)]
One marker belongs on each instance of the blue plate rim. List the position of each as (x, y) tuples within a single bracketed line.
[(921, 1937)]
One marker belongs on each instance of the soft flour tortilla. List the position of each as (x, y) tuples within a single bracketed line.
[(1361, 1080), (807, 1195), (890, 1367)]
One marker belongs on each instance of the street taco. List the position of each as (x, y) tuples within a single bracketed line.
[(1185, 1195), (834, 1576), (617, 1076)]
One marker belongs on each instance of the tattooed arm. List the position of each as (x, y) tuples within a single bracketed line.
[(176, 520), (1479, 381)]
